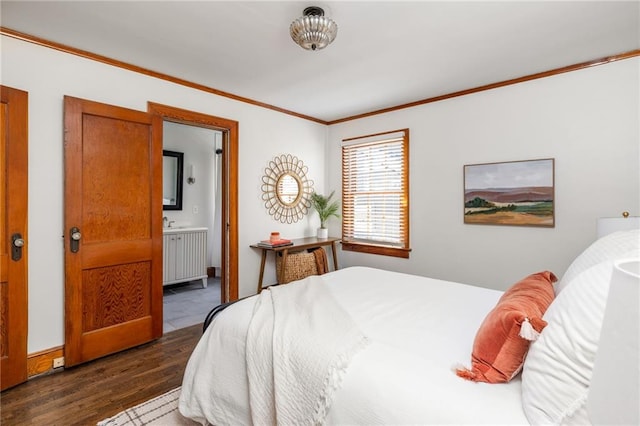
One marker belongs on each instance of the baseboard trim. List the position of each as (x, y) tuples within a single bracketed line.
[(42, 361)]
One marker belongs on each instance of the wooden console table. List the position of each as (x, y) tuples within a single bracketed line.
[(298, 245)]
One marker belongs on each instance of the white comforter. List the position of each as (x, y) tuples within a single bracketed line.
[(418, 329)]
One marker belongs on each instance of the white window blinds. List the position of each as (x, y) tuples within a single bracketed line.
[(375, 190)]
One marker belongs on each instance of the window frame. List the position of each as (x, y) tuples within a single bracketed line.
[(377, 247)]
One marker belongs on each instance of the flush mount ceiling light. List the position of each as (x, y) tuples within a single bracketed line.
[(313, 31)]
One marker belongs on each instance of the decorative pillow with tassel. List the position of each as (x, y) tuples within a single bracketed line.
[(503, 340)]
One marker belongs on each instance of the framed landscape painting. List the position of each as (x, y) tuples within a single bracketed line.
[(518, 193)]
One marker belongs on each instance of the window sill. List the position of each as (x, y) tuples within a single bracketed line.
[(376, 249)]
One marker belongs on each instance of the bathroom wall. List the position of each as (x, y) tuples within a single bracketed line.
[(198, 145)]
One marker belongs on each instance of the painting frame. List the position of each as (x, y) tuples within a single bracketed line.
[(510, 193)]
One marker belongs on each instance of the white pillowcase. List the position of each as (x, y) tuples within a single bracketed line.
[(612, 246), (557, 370)]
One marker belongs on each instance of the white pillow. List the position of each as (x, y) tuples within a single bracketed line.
[(612, 246), (557, 370)]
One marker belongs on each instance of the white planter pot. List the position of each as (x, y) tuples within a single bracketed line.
[(323, 233)]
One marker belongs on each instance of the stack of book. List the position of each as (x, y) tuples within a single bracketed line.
[(275, 243)]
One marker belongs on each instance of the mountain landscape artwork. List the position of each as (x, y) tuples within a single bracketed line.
[(519, 193)]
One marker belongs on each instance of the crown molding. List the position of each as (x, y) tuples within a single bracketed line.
[(124, 65), (543, 74), (109, 61)]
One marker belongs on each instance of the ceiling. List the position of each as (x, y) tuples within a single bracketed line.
[(386, 53)]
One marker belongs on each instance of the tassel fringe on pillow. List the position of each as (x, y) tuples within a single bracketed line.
[(465, 373), (530, 330)]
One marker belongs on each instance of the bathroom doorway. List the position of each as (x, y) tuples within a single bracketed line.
[(208, 148), (188, 295)]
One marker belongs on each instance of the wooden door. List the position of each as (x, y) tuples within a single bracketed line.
[(113, 229), (13, 233)]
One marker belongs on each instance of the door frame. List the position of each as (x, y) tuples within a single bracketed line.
[(229, 222)]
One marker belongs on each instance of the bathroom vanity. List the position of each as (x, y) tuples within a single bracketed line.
[(184, 255)]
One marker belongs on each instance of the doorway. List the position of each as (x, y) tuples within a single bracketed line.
[(191, 290), (209, 145)]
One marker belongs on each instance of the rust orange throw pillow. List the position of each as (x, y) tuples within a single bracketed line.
[(503, 339)]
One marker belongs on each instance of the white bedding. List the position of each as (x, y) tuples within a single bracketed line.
[(298, 331), (418, 330)]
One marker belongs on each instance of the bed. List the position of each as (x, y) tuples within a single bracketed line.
[(368, 346)]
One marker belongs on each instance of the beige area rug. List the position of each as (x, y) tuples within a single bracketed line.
[(161, 411)]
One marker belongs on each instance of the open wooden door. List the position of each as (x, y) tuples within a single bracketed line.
[(113, 229), (13, 237)]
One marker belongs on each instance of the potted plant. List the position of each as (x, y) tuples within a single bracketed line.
[(325, 209)]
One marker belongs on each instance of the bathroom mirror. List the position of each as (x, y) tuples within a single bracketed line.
[(172, 169), (286, 191)]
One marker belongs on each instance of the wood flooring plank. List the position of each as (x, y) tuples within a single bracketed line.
[(88, 393)]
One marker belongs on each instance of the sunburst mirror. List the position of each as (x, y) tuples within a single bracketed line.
[(286, 190)]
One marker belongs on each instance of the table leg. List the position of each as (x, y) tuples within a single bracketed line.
[(262, 262), (283, 266), (335, 256)]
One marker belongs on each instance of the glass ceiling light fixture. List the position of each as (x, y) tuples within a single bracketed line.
[(313, 31)]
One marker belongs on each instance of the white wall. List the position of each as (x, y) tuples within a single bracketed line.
[(198, 147), (48, 75), (587, 120)]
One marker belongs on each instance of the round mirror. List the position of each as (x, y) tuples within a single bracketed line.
[(286, 191)]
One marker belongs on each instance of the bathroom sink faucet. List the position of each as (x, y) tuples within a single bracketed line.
[(171, 222), (164, 222)]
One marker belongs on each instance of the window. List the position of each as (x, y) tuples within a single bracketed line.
[(375, 194)]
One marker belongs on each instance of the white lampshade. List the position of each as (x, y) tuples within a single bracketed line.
[(607, 225), (614, 392)]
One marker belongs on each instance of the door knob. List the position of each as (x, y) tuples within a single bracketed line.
[(75, 236), (16, 246)]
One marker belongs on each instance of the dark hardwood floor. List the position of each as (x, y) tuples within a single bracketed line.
[(88, 393)]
